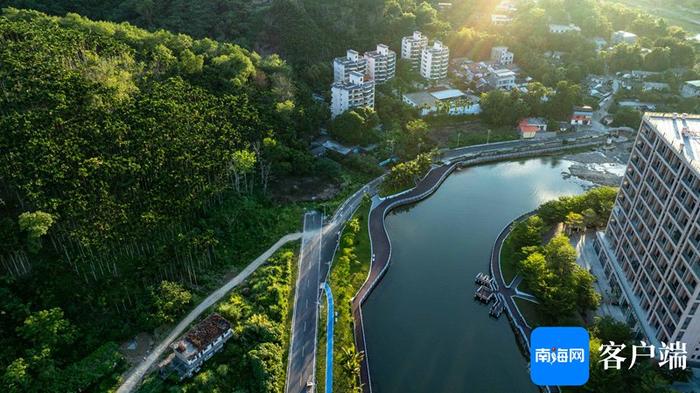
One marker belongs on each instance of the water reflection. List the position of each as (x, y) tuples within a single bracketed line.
[(424, 331)]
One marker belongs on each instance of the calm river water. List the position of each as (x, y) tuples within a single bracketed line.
[(425, 333)]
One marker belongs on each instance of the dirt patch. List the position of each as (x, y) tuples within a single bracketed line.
[(303, 189), (136, 349), (604, 166)]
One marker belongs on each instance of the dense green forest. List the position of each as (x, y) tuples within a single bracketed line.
[(307, 33), (254, 360), (129, 159)]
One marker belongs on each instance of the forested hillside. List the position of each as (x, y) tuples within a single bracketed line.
[(128, 159), (307, 33)]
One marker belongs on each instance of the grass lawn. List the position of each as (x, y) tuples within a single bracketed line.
[(363, 249), (321, 348), (480, 138), (344, 287), (530, 312), (509, 261)]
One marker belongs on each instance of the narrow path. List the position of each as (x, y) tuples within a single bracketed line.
[(330, 319), (138, 372)]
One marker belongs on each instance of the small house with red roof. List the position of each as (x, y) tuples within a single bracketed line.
[(582, 116), (530, 126)]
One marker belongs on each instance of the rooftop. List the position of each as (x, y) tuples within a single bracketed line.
[(430, 98), (570, 26), (503, 73), (681, 131), (202, 334), (695, 83), (447, 94), (625, 33)]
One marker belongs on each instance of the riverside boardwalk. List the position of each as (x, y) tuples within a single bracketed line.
[(381, 251)]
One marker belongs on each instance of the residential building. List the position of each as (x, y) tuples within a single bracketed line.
[(582, 116), (658, 86), (449, 101), (434, 61), (381, 64), (199, 344), (691, 89), (501, 79), (343, 66), (620, 36), (357, 91), (412, 47), (637, 105), (506, 6), (477, 72), (501, 55), (530, 126), (600, 43), (561, 29), (500, 19), (650, 249), (444, 6)]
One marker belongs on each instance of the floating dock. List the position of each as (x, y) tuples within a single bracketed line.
[(497, 308), (484, 279), (484, 294)]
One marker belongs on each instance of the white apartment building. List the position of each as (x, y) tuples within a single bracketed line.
[(650, 250), (500, 19), (352, 62), (501, 55), (623, 36), (381, 64), (434, 61), (412, 46), (502, 79), (357, 91), (561, 29)]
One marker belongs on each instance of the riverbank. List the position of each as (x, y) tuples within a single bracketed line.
[(381, 246)]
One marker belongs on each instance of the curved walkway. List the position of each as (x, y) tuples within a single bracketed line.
[(330, 318), (509, 291), (379, 239), (381, 252), (137, 373)]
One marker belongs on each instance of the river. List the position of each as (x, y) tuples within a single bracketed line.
[(424, 331)]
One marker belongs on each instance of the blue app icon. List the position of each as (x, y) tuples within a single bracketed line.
[(559, 356)]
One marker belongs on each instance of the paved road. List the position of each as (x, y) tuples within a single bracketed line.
[(302, 349), (136, 374), (318, 253), (518, 143)]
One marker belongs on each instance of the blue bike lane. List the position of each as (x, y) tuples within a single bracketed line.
[(329, 338)]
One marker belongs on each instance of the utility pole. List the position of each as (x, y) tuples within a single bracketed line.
[(459, 137), (488, 135)]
